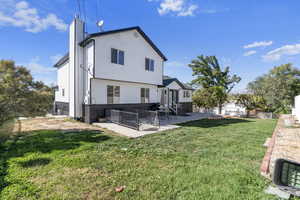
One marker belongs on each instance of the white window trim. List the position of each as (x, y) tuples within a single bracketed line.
[(115, 99), (118, 56), (149, 68), (145, 99)]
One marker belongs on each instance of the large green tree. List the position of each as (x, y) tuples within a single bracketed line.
[(209, 74), (20, 95), (278, 88)]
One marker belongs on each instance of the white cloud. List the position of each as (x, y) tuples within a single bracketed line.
[(276, 54), (189, 11), (21, 15), (177, 7), (40, 72), (258, 44), (55, 58), (36, 68), (249, 53)]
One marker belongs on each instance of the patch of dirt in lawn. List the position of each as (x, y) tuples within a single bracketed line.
[(72, 183), (65, 124)]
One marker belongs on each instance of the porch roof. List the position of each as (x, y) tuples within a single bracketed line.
[(168, 80)]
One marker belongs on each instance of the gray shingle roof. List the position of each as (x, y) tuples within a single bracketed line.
[(168, 80), (63, 60)]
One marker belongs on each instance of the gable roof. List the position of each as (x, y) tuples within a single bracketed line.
[(137, 28), (63, 60), (90, 36), (168, 80), (188, 87)]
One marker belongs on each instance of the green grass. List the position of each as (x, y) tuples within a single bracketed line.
[(205, 159)]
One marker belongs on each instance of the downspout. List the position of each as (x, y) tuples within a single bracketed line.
[(75, 60)]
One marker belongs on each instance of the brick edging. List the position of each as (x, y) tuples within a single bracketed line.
[(265, 165)]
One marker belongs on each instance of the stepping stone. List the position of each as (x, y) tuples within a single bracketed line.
[(276, 191), (267, 142)]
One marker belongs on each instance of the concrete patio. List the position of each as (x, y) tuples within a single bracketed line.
[(169, 124)]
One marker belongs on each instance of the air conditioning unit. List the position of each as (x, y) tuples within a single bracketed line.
[(287, 176)]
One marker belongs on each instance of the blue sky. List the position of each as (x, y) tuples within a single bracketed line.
[(250, 36)]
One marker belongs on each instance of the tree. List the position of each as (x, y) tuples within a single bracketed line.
[(278, 88), (208, 74), (206, 98), (20, 95), (249, 101)]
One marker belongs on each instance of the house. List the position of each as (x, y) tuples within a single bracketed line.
[(119, 69), (231, 108), (296, 109)]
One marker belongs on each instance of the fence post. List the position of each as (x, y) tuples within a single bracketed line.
[(137, 121), (157, 118)]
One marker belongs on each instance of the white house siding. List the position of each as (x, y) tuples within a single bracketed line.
[(130, 93), (231, 109), (297, 107), (175, 86), (136, 50), (183, 99), (76, 35), (88, 70), (62, 83)]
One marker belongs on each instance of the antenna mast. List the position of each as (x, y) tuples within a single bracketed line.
[(99, 23)]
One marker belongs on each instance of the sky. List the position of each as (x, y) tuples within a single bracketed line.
[(250, 36)]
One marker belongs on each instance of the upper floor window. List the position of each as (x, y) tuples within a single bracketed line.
[(63, 92), (117, 56), (149, 64), (113, 94), (145, 93)]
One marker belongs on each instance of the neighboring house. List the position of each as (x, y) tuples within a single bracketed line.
[(296, 109), (120, 69), (232, 108)]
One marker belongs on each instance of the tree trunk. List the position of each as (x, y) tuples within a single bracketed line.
[(248, 113), (220, 109)]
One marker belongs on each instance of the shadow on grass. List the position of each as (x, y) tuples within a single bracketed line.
[(208, 123), (6, 129), (35, 162), (43, 141)]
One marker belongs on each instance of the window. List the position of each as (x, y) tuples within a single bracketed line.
[(145, 95), (113, 94), (149, 64), (186, 94), (117, 56), (63, 92)]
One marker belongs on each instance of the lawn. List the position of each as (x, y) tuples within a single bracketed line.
[(206, 159)]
